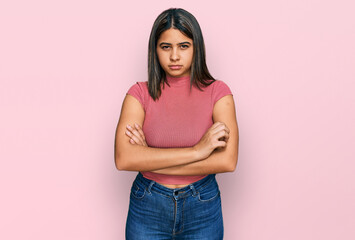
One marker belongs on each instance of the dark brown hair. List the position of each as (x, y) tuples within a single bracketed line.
[(184, 21)]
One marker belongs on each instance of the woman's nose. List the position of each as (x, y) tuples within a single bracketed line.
[(174, 55)]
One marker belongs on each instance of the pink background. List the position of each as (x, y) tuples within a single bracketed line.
[(65, 67)]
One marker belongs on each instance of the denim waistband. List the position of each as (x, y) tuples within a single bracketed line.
[(192, 188)]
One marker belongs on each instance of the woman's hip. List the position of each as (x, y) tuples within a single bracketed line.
[(187, 211)]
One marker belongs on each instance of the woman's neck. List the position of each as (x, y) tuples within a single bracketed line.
[(178, 81)]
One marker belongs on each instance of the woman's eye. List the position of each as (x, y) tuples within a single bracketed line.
[(182, 46)]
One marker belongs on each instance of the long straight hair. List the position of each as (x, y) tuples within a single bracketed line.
[(184, 21)]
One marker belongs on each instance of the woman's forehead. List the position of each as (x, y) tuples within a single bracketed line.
[(174, 36)]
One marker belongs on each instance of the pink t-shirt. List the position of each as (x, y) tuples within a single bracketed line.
[(179, 118)]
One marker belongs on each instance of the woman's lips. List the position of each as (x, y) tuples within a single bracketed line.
[(175, 67)]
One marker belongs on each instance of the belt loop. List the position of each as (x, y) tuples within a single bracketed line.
[(150, 186), (194, 192)]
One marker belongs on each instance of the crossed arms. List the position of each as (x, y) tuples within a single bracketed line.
[(131, 156)]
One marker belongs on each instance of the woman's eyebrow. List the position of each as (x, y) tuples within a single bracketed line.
[(171, 44)]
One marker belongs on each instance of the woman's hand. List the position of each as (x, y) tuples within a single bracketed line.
[(136, 135), (216, 137)]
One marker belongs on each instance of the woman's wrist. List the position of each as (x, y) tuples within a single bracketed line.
[(196, 156)]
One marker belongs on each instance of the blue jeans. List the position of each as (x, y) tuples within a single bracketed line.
[(191, 212)]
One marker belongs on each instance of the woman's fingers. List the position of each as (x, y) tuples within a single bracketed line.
[(221, 133), (221, 130), (217, 126), (224, 137), (134, 135), (139, 129), (133, 139)]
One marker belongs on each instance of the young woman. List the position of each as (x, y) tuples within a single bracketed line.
[(177, 130)]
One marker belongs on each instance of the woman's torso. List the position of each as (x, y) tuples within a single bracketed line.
[(179, 118)]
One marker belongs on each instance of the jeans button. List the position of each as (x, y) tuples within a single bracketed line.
[(176, 193)]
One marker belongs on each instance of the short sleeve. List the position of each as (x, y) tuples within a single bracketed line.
[(220, 89), (137, 91)]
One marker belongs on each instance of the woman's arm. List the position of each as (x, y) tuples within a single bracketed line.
[(222, 159), (131, 157)]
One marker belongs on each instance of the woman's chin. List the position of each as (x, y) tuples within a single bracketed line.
[(177, 74)]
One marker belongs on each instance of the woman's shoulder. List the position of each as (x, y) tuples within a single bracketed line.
[(138, 87), (139, 90), (220, 89), (140, 84), (219, 83)]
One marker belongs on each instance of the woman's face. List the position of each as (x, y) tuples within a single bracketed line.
[(175, 52)]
